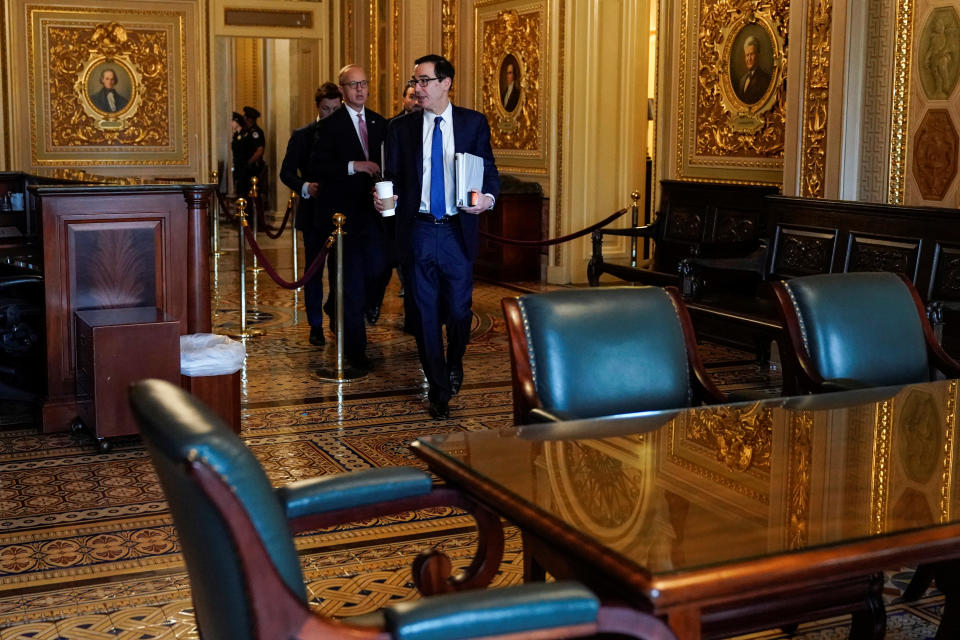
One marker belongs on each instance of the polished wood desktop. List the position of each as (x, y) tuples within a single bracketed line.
[(732, 518)]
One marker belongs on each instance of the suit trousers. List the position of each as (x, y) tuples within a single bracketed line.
[(363, 256), (441, 283), (378, 283), (313, 290)]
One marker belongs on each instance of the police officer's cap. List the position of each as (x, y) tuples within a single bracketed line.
[(251, 113)]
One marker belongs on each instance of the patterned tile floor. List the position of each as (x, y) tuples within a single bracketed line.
[(87, 546)]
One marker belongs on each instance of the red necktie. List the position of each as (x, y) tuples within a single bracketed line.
[(364, 140)]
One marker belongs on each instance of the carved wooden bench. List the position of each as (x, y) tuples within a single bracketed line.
[(695, 219), (728, 298)]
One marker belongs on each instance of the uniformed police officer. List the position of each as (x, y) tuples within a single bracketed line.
[(248, 150), (237, 141)]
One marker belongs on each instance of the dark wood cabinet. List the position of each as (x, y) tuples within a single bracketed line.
[(518, 215), (115, 348), (116, 246)]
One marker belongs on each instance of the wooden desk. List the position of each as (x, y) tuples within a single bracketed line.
[(731, 518)]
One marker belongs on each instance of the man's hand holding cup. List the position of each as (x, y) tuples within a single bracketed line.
[(383, 199)]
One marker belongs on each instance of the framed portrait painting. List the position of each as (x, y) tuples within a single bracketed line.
[(511, 63), (108, 87), (730, 92)]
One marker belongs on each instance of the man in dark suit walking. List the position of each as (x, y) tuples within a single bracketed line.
[(436, 241), (346, 158), (315, 228)]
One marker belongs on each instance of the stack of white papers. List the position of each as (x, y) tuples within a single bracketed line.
[(469, 176)]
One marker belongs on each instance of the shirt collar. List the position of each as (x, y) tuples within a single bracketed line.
[(447, 115), (354, 113)]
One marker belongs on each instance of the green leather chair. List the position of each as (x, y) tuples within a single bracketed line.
[(586, 353), (235, 532), (857, 330)]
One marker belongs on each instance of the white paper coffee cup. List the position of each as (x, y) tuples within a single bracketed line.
[(385, 193)]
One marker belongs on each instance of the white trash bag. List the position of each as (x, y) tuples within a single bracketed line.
[(208, 354)]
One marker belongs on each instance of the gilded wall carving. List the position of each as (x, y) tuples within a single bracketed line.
[(734, 116), (731, 90), (935, 151), (798, 482), (98, 85), (900, 105), (740, 437), (927, 167), (815, 99), (938, 62), (448, 28), (511, 67), (880, 485), (83, 62)]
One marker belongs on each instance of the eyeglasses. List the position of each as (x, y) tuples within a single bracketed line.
[(420, 81), (357, 84)]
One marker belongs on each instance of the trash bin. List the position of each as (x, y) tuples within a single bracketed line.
[(210, 369)]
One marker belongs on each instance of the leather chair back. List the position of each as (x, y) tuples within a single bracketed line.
[(176, 429), (605, 351), (861, 326)]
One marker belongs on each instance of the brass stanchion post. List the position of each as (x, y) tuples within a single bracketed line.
[(292, 202), (634, 222), (215, 213), (342, 372), (244, 332), (256, 208)]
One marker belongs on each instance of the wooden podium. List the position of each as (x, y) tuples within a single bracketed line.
[(112, 246)]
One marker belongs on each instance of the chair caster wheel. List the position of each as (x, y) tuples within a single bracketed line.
[(76, 427), (104, 445)]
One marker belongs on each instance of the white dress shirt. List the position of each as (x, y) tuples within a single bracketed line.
[(449, 184)]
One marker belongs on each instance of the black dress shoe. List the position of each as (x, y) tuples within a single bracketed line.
[(373, 314), (316, 337), (439, 410), (456, 378), (362, 363)]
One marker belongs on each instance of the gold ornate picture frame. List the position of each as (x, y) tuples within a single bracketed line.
[(107, 88), (751, 69), (512, 65), (726, 130)]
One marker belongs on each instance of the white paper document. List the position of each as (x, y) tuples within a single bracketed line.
[(469, 170)]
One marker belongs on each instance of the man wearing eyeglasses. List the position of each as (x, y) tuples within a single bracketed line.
[(346, 157), (436, 241)]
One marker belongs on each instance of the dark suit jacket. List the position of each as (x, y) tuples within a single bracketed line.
[(336, 144), (294, 173), (99, 100), (758, 86), (471, 134), (511, 103)]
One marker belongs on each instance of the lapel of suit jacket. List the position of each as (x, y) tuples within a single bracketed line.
[(457, 127)]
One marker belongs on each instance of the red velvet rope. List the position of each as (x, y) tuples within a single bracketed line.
[(317, 265), (283, 225), (256, 209), (316, 268), (223, 201), (553, 241)]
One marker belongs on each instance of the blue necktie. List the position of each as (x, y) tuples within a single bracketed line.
[(438, 199)]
